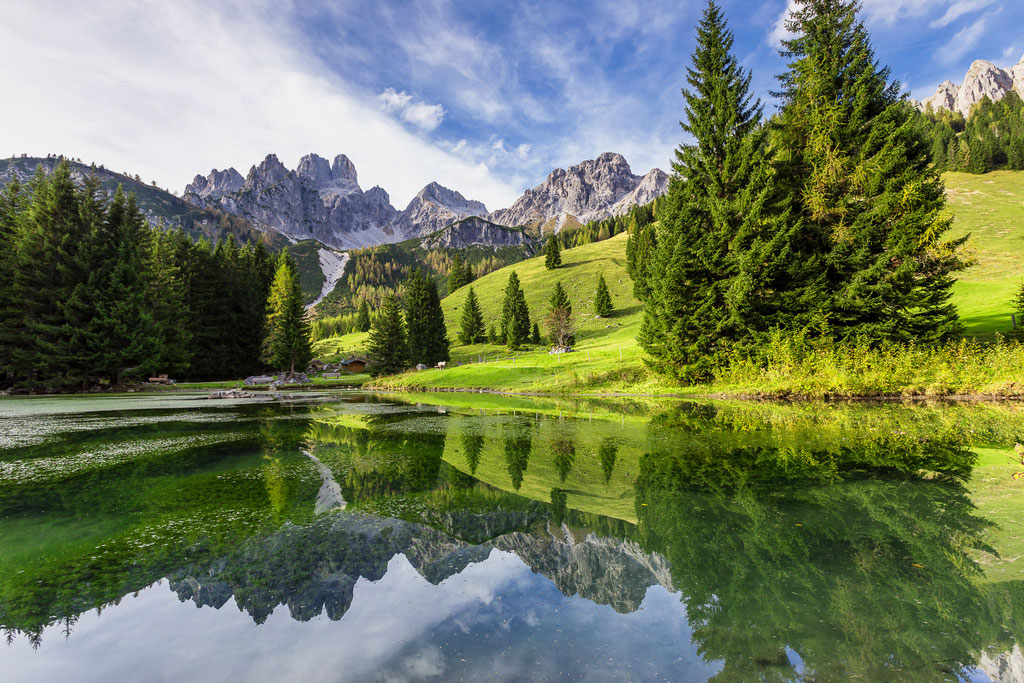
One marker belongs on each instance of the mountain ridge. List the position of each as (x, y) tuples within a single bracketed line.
[(983, 79)]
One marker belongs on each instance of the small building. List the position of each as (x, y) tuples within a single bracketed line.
[(354, 364)]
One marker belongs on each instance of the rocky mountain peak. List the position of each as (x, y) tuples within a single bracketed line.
[(433, 208), (587, 191), (214, 186), (983, 79), (315, 168), (343, 169)]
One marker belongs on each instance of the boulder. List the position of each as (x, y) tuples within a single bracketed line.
[(421, 366), (257, 379), (232, 393)]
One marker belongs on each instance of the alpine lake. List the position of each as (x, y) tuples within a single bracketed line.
[(355, 537)]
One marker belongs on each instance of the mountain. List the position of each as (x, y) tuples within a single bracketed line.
[(474, 231), (159, 205), (588, 191), (651, 186), (983, 79), (433, 208), (318, 200)]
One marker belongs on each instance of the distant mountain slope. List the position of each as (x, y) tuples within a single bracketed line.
[(591, 190), (158, 204), (433, 208), (983, 79)]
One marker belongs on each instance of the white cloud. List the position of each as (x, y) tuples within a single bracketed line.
[(959, 9), (779, 31), (1011, 53), (171, 89), (424, 116), (962, 43)]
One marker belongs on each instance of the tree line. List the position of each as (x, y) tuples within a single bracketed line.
[(90, 292), (989, 139), (828, 219)]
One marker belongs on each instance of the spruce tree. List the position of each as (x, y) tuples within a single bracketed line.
[(535, 334), (424, 321), (388, 346), (552, 253), (559, 299), (641, 248), (471, 322), (460, 274), (560, 323), (287, 343), (871, 210), (515, 316), (714, 212), (602, 298), (165, 296), (363, 317)]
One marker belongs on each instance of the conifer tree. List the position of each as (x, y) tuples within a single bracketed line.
[(460, 274), (388, 346), (424, 321), (552, 253), (641, 247), (559, 299), (12, 208), (515, 316), (363, 317), (492, 335), (471, 322), (602, 298), (287, 343), (166, 300), (535, 334), (714, 212), (871, 210)]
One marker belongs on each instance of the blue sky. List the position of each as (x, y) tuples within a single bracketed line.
[(484, 97)]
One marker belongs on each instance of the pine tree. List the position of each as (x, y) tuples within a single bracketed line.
[(424, 321), (388, 347), (363, 317), (559, 299), (713, 214), (602, 298), (13, 199), (287, 343), (552, 253), (165, 296), (515, 316), (460, 274), (492, 335), (535, 334), (641, 248), (471, 323), (871, 210)]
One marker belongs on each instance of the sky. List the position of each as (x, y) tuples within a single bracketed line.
[(483, 97)]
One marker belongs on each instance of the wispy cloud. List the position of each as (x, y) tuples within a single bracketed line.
[(959, 9), (963, 42), (424, 116)]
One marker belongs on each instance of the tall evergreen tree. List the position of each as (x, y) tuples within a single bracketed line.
[(12, 208), (471, 322), (287, 342), (871, 210), (713, 212), (552, 253), (560, 324), (602, 298), (515, 315), (363, 317), (559, 299), (165, 295), (460, 274), (388, 346), (424, 321), (641, 247)]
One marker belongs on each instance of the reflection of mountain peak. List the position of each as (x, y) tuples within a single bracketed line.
[(279, 569)]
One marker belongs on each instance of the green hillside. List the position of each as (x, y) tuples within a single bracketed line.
[(991, 208)]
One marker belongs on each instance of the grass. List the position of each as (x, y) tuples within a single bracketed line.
[(990, 208), (608, 360)]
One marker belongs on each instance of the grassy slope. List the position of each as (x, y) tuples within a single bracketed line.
[(599, 342), (991, 208)]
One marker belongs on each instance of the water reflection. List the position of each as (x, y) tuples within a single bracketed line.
[(800, 548)]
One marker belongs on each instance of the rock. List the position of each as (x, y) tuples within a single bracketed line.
[(651, 186), (257, 379), (983, 79), (560, 349), (232, 393), (317, 200), (421, 366), (434, 208), (474, 230), (588, 191)]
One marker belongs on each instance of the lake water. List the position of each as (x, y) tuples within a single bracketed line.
[(474, 537)]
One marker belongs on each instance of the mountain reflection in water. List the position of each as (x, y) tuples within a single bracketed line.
[(796, 545)]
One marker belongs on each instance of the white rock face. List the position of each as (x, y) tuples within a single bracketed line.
[(332, 265), (983, 79), (433, 208), (1006, 667), (317, 200), (651, 186), (587, 191)]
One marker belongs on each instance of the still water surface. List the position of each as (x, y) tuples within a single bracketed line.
[(445, 537)]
